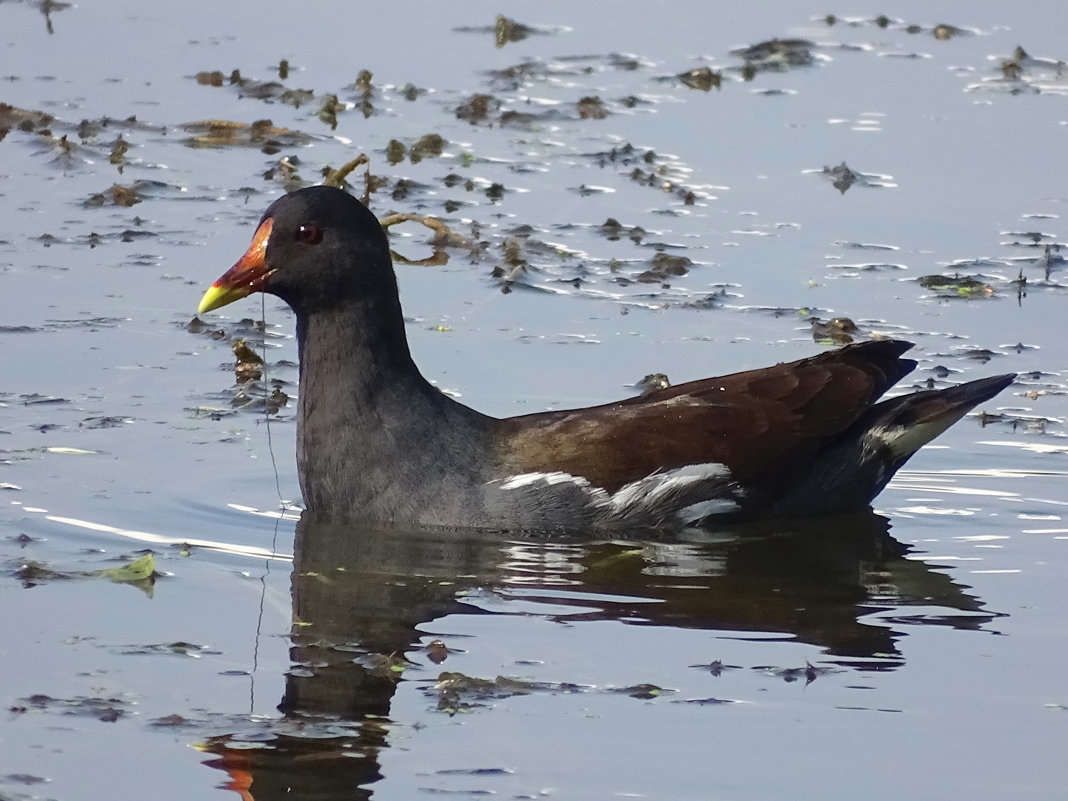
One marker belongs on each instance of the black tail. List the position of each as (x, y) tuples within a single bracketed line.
[(852, 472), (904, 425)]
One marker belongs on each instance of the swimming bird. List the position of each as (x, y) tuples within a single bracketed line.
[(378, 443)]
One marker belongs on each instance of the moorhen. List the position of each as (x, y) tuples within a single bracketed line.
[(377, 443)]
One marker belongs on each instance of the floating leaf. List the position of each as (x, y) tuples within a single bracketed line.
[(138, 570), (964, 286)]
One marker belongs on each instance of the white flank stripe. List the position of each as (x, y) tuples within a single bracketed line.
[(660, 495), (528, 479), (696, 511)]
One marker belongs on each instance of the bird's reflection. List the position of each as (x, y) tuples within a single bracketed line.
[(360, 594)]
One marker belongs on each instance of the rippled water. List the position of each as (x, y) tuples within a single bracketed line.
[(615, 214)]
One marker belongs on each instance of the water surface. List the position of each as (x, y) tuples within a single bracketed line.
[(912, 652)]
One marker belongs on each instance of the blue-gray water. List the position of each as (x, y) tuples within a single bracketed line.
[(839, 663)]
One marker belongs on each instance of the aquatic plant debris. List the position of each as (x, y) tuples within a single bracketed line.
[(584, 163), (456, 692), (959, 286), (140, 569), (140, 572)]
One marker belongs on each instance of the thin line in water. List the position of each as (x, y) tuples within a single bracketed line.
[(278, 520)]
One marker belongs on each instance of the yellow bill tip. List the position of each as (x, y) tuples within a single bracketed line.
[(218, 296)]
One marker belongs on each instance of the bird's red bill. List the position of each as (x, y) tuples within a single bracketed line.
[(245, 277)]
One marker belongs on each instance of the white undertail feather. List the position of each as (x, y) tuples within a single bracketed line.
[(903, 441)]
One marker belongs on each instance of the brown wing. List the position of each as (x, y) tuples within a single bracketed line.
[(762, 424)]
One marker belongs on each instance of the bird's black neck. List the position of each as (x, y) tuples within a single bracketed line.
[(373, 435)]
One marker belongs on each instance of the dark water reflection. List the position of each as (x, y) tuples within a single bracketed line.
[(360, 596)]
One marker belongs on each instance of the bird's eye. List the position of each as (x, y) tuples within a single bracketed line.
[(310, 234)]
